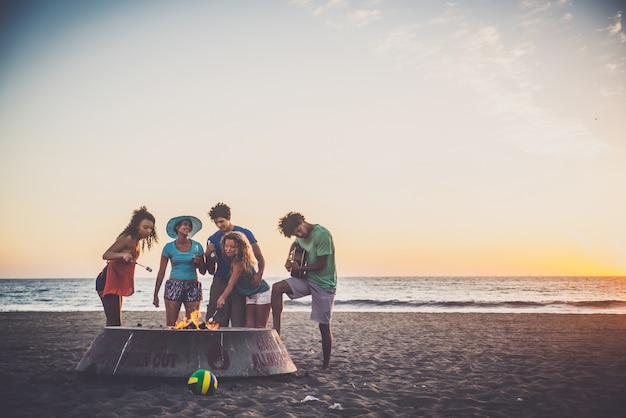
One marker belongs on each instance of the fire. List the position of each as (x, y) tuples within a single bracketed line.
[(212, 325), (191, 323), (194, 323)]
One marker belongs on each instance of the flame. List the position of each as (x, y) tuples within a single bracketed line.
[(185, 322), (181, 324), (194, 323), (195, 317)]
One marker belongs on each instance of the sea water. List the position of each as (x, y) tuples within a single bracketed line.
[(580, 295)]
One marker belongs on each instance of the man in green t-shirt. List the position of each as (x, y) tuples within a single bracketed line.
[(321, 276)]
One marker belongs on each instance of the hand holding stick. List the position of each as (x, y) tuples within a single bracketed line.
[(147, 268), (211, 319)]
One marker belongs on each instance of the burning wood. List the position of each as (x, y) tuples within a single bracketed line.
[(189, 323), (194, 323)]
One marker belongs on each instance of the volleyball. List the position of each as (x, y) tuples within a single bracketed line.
[(202, 382)]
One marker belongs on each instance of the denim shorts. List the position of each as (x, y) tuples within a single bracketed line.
[(183, 290)]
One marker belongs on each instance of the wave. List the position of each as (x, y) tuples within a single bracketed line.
[(373, 305), (482, 306), (564, 295)]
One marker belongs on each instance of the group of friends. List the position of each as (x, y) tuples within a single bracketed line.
[(239, 295)]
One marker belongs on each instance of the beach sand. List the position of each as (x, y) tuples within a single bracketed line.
[(383, 365)]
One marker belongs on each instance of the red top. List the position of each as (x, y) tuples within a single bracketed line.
[(121, 277)]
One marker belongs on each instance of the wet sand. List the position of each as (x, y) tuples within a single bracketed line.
[(383, 365)]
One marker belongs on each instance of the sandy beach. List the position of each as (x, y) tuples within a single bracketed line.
[(383, 365)]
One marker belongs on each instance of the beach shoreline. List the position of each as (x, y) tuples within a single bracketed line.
[(383, 364)]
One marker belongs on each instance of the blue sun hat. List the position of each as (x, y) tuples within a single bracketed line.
[(195, 223)]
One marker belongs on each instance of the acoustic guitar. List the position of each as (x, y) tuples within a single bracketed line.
[(298, 255)]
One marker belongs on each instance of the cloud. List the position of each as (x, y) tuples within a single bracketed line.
[(330, 5), (613, 91), (455, 49), (543, 135), (486, 37), (613, 60), (400, 38), (503, 81), (499, 76), (545, 15), (339, 13), (535, 7), (364, 17), (616, 30)]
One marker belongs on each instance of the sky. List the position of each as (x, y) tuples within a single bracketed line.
[(432, 138)]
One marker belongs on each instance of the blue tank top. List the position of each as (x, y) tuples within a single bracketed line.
[(243, 285), (182, 262)]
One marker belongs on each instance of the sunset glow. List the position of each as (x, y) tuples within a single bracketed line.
[(431, 138)]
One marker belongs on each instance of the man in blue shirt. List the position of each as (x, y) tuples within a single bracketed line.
[(234, 310)]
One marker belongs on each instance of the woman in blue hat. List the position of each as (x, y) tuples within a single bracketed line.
[(187, 258)]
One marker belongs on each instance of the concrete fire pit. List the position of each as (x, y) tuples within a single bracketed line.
[(227, 352)]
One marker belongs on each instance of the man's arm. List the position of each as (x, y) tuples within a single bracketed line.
[(319, 264)]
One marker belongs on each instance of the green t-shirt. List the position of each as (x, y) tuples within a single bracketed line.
[(318, 243)]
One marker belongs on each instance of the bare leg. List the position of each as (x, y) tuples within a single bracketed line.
[(250, 316), (172, 308), (262, 315), (120, 311), (191, 307), (112, 305), (327, 344), (278, 289)]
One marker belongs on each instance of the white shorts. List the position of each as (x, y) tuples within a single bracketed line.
[(262, 298), (322, 300)]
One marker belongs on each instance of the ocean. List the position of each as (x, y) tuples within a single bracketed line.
[(556, 295)]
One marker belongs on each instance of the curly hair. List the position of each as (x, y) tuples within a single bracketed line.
[(132, 228), (288, 223), (244, 254), (221, 210)]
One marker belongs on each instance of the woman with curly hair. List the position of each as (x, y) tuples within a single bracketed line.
[(121, 256), (243, 266)]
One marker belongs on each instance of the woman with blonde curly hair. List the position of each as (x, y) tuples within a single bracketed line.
[(243, 267)]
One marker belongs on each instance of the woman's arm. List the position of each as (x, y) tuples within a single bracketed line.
[(120, 250), (159, 280), (258, 277), (234, 276), (199, 262), (201, 266), (210, 261)]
